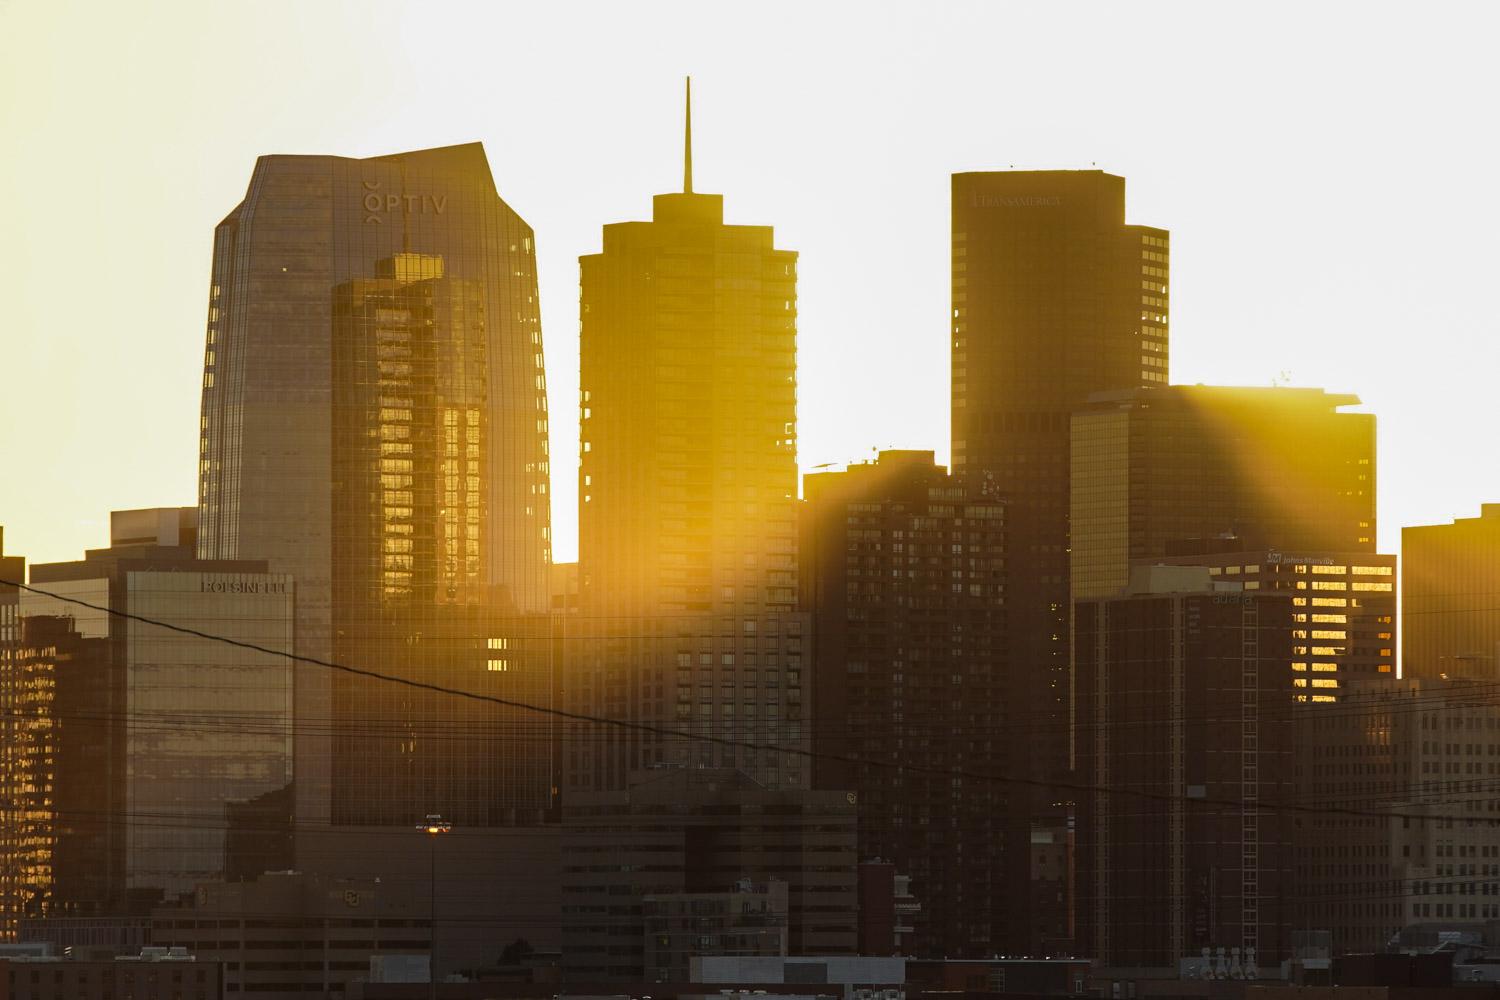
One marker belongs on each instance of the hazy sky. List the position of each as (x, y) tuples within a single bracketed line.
[(1327, 172)]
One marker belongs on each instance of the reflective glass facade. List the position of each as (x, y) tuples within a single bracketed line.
[(375, 423), (130, 747), (207, 724)]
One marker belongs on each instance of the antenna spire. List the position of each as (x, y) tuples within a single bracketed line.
[(687, 143)]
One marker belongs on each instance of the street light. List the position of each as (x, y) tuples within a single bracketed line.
[(432, 826)]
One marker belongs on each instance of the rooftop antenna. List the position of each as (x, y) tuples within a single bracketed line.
[(687, 143)]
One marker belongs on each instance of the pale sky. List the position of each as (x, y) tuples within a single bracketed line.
[(1326, 170)]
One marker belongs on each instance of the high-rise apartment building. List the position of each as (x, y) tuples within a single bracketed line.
[(904, 574), (128, 745), (1273, 468), (374, 422), (1184, 735), (1054, 298), (1450, 592), (1343, 608), (687, 489)]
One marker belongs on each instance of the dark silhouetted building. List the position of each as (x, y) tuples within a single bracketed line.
[(151, 974), (887, 909), (288, 933), (687, 491), (1054, 298), (747, 920), (374, 422), (1407, 768), (1343, 609), (1273, 468), (1184, 730), (904, 573), (1450, 592), (696, 831), (128, 745)]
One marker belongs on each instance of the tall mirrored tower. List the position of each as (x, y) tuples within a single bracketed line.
[(374, 422)]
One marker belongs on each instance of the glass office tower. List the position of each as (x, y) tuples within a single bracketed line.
[(374, 422)]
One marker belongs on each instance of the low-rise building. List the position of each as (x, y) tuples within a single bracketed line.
[(693, 831), (749, 920), (291, 933), (858, 977), (153, 974)]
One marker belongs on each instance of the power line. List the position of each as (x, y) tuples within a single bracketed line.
[(658, 730)]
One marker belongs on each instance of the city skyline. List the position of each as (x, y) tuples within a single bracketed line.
[(821, 169), (708, 652)]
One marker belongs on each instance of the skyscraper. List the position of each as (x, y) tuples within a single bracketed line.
[(903, 571), (687, 488), (1054, 298), (1450, 592), (374, 422)]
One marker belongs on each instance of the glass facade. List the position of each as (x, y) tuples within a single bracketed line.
[(130, 746), (207, 724), (375, 423)]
